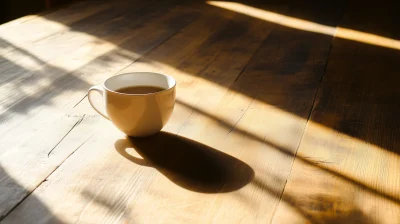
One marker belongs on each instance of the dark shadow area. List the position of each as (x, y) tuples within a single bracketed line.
[(327, 13), (360, 15), (379, 18), (12, 9), (11, 192), (321, 208), (187, 163)]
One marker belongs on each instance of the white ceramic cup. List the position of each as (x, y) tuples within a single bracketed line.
[(137, 115)]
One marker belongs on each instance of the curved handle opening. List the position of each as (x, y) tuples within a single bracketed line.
[(123, 145), (100, 90)]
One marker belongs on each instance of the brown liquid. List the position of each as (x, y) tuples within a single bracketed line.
[(139, 89)]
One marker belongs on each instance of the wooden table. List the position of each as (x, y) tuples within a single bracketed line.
[(286, 112)]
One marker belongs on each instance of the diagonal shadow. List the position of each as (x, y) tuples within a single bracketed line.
[(18, 104), (292, 154), (19, 193), (15, 78), (299, 62), (293, 63)]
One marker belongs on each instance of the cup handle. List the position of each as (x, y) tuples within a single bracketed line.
[(100, 90)]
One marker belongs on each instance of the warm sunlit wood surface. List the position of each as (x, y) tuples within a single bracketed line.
[(286, 112)]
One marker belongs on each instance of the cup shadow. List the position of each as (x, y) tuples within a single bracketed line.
[(187, 163)]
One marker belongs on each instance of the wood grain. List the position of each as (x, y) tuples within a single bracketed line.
[(67, 14), (84, 66), (22, 124), (346, 169), (219, 61), (209, 43), (271, 125), (68, 38), (29, 31)]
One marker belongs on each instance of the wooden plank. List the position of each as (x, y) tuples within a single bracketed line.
[(34, 54), (65, 14), (38, 27), (282, 75), (103, 66), (85, 207), (16, 22), (27, 31), (94, 149), (36, 57), (242, 126), (346, 169), (51, 103), (23, 173), (90, 66)]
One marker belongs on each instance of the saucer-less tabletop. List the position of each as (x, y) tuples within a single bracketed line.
[(286, 112)]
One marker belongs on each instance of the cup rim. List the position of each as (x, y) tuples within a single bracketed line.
[(142, 94)]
